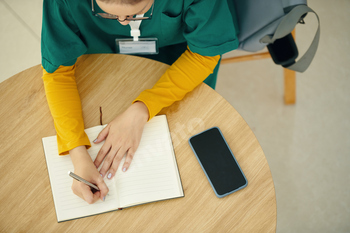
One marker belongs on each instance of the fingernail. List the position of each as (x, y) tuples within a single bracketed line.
[(109, 175), (104, 198), (101, 175), (95, 140), (124, 169)]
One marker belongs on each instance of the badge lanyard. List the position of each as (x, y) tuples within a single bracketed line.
[(135, 28), (137, 45)]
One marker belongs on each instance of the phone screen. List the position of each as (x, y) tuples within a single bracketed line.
[(218, 162)]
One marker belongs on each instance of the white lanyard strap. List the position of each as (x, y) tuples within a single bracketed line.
[(135, 31)]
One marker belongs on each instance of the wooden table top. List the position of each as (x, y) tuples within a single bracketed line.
[(113, 81)]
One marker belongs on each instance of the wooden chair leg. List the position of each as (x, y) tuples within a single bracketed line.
[(290, 83), (289, 86)]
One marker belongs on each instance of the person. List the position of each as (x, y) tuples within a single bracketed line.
[(190, 36)]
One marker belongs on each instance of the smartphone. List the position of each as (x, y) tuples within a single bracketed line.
[(218, 162)]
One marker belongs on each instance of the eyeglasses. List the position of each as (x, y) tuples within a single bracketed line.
[(116, 17)]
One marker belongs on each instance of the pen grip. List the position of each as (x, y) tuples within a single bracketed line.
[(93, 187)]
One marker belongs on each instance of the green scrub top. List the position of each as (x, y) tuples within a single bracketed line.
[(70, 30)]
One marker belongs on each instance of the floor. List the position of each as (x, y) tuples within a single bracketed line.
[(307, 145)]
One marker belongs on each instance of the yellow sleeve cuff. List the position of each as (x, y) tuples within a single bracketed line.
[(65, 147)]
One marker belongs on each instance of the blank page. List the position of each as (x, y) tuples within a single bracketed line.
[(153, 174)]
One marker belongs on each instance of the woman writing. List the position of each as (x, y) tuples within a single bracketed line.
[(189, 35)]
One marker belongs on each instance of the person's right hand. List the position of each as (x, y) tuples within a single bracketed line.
[(85, 168)]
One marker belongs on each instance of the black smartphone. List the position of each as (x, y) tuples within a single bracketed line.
[(218, 162)]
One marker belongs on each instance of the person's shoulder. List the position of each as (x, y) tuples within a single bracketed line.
[(63, 5), (188, 3), (58, 1), (63, 2), (197, 1), (55, 2), (208, 3)]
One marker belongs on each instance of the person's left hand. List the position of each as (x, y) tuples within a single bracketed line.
[(123, 136)]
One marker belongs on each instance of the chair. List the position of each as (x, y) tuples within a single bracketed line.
[(289, 75), (271, 23)]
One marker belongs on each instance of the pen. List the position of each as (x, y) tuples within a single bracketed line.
[(78, 178)]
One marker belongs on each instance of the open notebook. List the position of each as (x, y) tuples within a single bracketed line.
[(152, 176)]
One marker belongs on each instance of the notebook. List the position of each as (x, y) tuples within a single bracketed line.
[(152, 176)]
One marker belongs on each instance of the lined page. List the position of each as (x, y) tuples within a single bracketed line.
[(68, 205), (153, 174)]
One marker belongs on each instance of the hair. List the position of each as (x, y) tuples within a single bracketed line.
[(123, 2)]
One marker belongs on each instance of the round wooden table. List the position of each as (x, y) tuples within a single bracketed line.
[(113, 81)]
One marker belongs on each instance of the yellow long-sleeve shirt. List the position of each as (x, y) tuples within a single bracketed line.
[(189, 70)]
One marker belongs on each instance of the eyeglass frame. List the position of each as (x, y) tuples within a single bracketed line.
[(117, 17)]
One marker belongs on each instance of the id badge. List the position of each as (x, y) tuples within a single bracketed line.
[(144, 46)]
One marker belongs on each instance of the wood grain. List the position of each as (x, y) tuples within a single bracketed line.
[(289, 86), (249, 57), (113, 81)]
